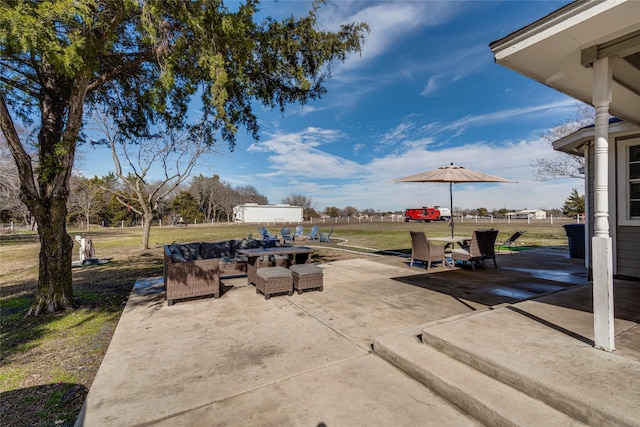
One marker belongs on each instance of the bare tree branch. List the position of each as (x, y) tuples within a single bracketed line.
[(173, 153), (563, 165)]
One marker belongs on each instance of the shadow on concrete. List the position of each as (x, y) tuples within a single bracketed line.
[(487, 287)]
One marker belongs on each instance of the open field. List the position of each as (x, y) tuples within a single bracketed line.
[(48, 363)]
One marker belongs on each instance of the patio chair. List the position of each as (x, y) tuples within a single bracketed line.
[(287, 238), (480, 248), (425, 251), (299, 231), (511, 242), (470, 252), (325, 237), (270, 239), (314, 232), (487, 241)]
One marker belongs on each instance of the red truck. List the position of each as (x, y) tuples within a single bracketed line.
[(423, 214)]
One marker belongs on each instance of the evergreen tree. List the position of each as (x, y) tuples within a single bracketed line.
[(574, 204)]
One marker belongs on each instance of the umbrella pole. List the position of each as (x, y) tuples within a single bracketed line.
[(451, 201)]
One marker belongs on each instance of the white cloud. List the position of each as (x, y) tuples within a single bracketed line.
[(308, 169), (295, 155), (305, 160), (510, 161), (430, 87), (389, 22), (402, 131), (453, 67), (499, 116)]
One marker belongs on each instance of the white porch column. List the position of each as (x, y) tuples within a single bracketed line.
[(587, 205), (602, 260)]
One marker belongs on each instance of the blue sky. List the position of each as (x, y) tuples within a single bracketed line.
[(424, 93)]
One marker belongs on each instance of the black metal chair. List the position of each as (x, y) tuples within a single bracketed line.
[(511, 242)]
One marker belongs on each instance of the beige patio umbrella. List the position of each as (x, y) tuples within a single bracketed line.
[(452, 174)]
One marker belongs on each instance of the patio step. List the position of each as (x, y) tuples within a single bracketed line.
[(488, 400)]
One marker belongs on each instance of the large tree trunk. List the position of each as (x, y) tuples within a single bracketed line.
[(146, 229), (55, 291), (46, 191)]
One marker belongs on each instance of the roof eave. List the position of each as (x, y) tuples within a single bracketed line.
[(573, 143)]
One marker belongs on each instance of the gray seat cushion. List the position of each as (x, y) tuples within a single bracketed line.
[(305, 269), (273, 272)]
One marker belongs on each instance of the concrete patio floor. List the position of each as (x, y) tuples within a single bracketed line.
[(506, 346)]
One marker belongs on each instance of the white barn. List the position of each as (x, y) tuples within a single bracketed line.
[(528, 214), (277, 214)]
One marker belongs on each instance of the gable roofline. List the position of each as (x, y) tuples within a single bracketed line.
[(543, 23), (573, 142)]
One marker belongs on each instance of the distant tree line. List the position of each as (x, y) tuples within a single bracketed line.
[(106, 201)]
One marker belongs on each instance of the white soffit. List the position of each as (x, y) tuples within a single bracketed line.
[(550, 51)]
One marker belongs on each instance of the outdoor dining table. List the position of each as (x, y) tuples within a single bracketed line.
[(448, 240), (259, 257)]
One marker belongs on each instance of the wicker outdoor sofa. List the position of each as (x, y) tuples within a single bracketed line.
[(195, 269)]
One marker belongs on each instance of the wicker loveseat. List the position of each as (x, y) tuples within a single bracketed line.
[(195, 269)]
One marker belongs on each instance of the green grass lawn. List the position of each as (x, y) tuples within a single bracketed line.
[(48, 363)]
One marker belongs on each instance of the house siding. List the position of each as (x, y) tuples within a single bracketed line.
[(627, 244), (628, 251)]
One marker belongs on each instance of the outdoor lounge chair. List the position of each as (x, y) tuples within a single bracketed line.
[(287, 238), (325, 237), (299, 231), (314, 232), (511, 242), (270, 239), (425, 251)]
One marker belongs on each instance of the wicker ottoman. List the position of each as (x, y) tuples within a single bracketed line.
[(306, 276), (273, 280)]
